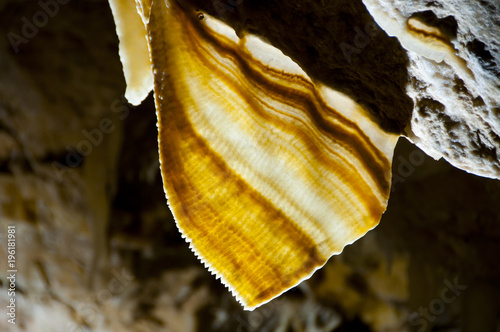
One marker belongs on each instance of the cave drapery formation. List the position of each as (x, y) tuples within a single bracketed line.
[(94, 229), (234, 110)]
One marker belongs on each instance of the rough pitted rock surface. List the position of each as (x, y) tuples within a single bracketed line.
[(456, 116)]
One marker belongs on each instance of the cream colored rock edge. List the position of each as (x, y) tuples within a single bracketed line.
[(133, 49), (414, 35), (267, 173)]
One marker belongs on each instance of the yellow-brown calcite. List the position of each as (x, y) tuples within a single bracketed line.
[(267, 172)]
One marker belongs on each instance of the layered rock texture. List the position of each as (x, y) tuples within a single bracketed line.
[(97, 248)]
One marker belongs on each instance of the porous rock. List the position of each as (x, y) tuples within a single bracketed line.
[(457, 95)]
